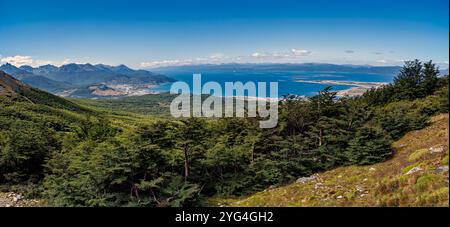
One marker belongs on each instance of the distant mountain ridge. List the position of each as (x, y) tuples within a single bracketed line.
[(86, 74), (81, 76), (18, 73), (301, 67)]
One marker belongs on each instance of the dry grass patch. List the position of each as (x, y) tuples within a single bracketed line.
[(384, 184)]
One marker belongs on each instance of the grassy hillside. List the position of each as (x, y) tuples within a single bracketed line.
[(417, 175), (13, 91), (20, 101)]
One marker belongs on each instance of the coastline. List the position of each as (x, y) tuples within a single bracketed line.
[(358, 88)]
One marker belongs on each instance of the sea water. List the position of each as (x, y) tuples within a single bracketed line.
[(287, 80)]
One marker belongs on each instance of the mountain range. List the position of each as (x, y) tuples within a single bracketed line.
[(82, 80), (302, 67)]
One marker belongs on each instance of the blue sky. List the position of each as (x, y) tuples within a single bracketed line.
[(158, 33)]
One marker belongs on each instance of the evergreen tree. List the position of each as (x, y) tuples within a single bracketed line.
[(407, 84), (430, 78), (190, 139), (371, 144)]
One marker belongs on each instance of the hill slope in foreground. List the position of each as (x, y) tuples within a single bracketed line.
[(417, 175), (13, 90)]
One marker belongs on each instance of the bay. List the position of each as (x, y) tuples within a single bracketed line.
[(287, 80)]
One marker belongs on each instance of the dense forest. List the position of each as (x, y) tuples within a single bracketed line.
[(80, 153)]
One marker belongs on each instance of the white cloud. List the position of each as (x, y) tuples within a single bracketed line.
[(219, 58), (216, 56), (161, 63), (443, 64), (20, 60), (65, 62), (397, 62), (299, 52), (17, 60), (259, 55), (281, 55)]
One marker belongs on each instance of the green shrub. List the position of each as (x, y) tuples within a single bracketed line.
[(416, 155), (408, 168), (429, 182), (434, 198), (444, 161)]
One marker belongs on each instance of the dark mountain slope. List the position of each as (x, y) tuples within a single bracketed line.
[(13, 90), (47, 84)]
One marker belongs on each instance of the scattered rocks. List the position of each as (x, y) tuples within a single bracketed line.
[(360, 189), (441, 169), (436, 149), (306, 179), (413, 170), (10, 199), (318, 186), (372, 169)]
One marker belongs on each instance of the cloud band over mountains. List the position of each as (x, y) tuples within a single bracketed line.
[(255, 57)]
